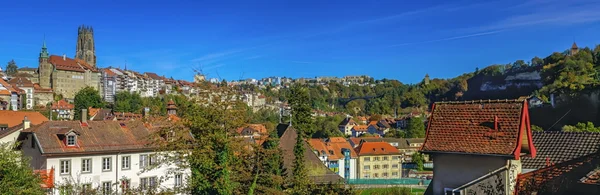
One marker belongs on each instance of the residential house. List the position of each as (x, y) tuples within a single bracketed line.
[(337, 154), (566, 159), (319, 173), (378, 160), (346, 126), (380, 127), (362, 120), (110, 155), (9, 96), (110, 83), (156, 82), (64, 110), (27, 87), (475, 144), (12, 122), (359, 130), (256, 133)]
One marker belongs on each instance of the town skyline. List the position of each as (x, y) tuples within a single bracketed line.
[(333, 42)]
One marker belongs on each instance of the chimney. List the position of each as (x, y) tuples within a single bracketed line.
[(64, 57), (26, 123), (84, 115)]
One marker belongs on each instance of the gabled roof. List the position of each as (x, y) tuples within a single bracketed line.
[(70, 64), (287, 142), (20, 82), (153, 76), (574, 46), (13, 118), (347, 121), (360, 128), (62, 105), (332, 145), (560, 178), (38, 89), (376, 148), (95, 137), (483, 127), (557, 147), (258, 128)]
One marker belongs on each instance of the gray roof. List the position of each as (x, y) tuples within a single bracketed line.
[(559, 146)]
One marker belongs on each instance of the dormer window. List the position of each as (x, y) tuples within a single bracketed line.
[(71, 140)]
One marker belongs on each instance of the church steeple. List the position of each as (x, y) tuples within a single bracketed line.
[(44, 51)]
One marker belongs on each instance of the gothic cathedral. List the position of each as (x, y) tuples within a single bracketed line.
[(86, 49)]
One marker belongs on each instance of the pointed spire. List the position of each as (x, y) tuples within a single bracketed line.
[(574, 46)]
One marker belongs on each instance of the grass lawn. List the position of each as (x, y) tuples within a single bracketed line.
[(386, 191)]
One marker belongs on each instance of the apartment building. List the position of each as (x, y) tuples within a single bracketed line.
[(378, 160)]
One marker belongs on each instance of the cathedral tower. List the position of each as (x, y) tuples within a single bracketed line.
[(86, 49), (45, 68)]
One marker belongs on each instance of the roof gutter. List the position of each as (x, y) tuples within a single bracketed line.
[(462, 153), (97, 152)]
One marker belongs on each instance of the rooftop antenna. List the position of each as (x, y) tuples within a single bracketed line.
[(125, 65)]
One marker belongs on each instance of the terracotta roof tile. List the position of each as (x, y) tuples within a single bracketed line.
[(479, 127), (13, 118), (20, 82), (38, 89), (332, 145), (62, 105), (561, 146), (70, 64), (376, 148), (360, 128)]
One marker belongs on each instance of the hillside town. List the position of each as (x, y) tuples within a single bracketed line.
[(72, 125)]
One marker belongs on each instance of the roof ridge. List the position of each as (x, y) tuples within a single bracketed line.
[(481, 101)]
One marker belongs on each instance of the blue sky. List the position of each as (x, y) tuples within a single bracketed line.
[(401, 40)]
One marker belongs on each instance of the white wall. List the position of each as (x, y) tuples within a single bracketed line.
[(353, 168), (10, 137), (97, 176)]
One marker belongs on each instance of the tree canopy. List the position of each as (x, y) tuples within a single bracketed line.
[(85, 98), (11, 68), (16, 177)]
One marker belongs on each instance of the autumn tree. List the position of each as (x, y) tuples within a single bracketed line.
[(85, 98)]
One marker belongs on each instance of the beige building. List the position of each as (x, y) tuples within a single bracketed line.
[(378, 160), (66, 76)]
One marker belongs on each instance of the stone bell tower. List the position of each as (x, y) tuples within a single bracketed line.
[(86, 49)]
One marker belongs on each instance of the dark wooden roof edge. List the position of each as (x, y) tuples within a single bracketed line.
[(64, 154), (482, 101)]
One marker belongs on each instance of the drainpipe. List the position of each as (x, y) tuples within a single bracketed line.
[(117, 172)]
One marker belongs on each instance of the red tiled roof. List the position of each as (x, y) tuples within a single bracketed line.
[(13, 118), (376, 148), (20, 82), (360, 128), (70, 64), (38, 89), (109, 72), (62, 105), (7, 86), (496, 127), (47, 177), (258, 128), (96, 137), (153, 76), (335, 145)]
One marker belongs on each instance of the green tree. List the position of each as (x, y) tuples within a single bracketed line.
[(419, 160), (85, 98), (300, 180), (581, 127), (415, 128), (11, 68), (302, 120), (536, 61), (127, 102), (16, 177), (536, 128)]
